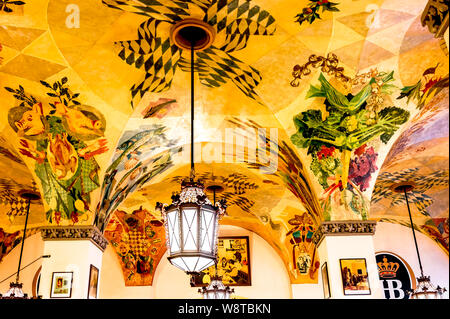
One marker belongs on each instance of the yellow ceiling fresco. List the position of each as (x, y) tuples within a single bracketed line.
[(303, 109), (420, 155)]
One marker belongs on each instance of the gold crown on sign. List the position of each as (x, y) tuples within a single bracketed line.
[(387, 269)]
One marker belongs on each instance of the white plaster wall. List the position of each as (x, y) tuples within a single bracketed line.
[(269, 276), (334, 248), (308, 291), (66, 256), (32, 249), (399, 240), (112, 283)]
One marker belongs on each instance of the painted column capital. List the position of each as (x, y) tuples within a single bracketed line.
[(86, 232), (344, 228)]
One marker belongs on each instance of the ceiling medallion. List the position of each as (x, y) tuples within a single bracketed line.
[(403, 186), (190, 30)]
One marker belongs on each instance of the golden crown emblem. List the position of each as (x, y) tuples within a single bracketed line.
[(387, 269)]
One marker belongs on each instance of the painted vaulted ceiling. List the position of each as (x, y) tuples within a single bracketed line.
[(343, 99)]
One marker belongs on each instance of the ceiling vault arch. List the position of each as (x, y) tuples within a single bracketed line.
[(300, 119)]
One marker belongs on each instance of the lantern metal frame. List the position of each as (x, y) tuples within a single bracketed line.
[(216, 287), (205, 229), (192, 196), (15, 288)]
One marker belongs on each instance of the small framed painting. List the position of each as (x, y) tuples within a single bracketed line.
[(325, 281), (61, 285), (355, 279), (93, 282)]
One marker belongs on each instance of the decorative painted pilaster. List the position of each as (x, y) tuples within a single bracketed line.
[(72, 249), (349, 240)]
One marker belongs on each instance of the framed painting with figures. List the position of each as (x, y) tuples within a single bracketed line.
[(233, 264), (61, 286), (355, 279)]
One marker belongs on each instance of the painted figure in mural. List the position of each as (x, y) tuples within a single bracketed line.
[(63, 138), (303, 263), (303, 250)]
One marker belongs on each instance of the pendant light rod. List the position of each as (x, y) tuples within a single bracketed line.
[(414, 233), (23, 240), (192, 109)]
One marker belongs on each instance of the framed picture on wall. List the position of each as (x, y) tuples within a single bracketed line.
[(355, 280), (93, 283), (325, 281), (61, 286), (233, 264)]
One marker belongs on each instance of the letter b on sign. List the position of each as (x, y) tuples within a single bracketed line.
[(394, 289)]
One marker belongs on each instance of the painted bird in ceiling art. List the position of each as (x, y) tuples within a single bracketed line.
[(78, 122)]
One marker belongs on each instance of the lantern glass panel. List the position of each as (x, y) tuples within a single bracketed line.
[(178, 262), (207, 228), (191, 263), (174, 231), (190, 229)]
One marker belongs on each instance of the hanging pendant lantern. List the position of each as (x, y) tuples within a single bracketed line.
[(425, 289), (191, 221), (192, 224), (15, 288), (216, 290)]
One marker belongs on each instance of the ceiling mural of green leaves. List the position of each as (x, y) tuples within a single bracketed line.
[(348, 124)]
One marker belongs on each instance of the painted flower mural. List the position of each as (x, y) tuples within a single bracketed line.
[(312, 11), (345, 126), (234, 21), (63, 139)]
